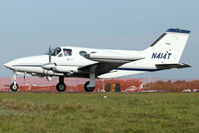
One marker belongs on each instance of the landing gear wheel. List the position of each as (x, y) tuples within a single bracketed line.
[(14, 87), (61, 87), (88, 89)]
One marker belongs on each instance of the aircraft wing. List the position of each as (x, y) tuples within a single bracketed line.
[(101, 68), (169, 66), (107, 62)]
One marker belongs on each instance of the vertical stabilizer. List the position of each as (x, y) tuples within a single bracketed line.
[(168, 48)]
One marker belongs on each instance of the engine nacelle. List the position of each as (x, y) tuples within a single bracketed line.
[(65, 69), (112, 57), (48, 66)]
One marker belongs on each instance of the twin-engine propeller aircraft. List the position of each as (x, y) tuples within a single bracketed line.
[(90, 63)]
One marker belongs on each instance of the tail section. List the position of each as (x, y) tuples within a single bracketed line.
[(168, 48), (164, 53)]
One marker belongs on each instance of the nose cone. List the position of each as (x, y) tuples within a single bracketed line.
[(9, 65), (22, 64)]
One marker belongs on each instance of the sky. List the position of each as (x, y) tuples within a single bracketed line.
[(28, 27)]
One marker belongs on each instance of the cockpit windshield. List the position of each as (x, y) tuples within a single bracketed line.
[(54, 51), (58, 52)]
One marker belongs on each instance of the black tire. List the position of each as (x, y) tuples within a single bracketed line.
[(88, 89), (13, 87), (61, 87)]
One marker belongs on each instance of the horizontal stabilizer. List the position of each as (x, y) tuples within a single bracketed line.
[(169, 66)]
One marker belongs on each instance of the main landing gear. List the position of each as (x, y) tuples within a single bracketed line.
[(88, 89), (61, 86), (89, 86)]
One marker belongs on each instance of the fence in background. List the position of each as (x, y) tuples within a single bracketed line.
[(73, 84)]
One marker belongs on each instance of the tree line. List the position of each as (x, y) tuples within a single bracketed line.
[(178, 85)]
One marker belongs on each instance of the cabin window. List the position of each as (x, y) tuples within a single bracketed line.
[(82, 53), (67, 52)]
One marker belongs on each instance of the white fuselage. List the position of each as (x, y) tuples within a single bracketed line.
[(33, 65)]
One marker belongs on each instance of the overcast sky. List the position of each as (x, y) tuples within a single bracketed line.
[(28, 27)]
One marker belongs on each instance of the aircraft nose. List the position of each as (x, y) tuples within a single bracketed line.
[(9, 65)]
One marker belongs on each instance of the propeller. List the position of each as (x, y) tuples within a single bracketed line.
[(48, 78), (24, 77), (50, 52), (49, 65)]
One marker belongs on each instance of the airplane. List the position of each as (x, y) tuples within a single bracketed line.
[(67, 61)]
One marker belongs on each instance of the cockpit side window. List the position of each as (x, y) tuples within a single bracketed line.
[(67, 52), (60, 55)]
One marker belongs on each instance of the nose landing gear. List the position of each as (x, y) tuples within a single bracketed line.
[(14, 86)]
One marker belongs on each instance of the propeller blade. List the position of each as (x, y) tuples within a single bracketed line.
[(50, 55), (48, 78)]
